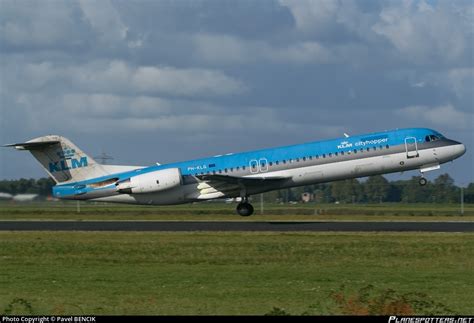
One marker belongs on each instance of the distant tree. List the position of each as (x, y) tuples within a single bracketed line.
[(396, 190), (45, 186), (444, 190), (271, 196), (41, 186), (412, 192), (469, 193), (376, 189), (347, 191), (322, 193)]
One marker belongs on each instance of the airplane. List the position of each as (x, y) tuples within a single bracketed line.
[(240, 175)]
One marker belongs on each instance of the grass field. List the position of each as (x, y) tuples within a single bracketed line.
[(223, 211), (227, 273)]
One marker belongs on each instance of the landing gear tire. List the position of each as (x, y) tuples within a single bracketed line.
[(245, 209), (422, 181)]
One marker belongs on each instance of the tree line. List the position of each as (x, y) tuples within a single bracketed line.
[(377, 189), (374, 189)]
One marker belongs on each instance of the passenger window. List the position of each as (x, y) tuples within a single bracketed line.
[(270, 163), (368, 149), (387, 146), (304, 158), (342, 153), (355, 151), (243, 167), (330, 154), (297, 159), (277, 162), (324, 155)]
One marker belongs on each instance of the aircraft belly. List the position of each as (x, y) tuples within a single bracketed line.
[(168, 197)]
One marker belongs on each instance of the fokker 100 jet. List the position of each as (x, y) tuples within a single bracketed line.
[(79, 177)]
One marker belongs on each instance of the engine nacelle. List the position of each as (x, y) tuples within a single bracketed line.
[(156, 181)]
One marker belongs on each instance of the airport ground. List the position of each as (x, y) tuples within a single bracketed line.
[(220, 211), (236, 272)]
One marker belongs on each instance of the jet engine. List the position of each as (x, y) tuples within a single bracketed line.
[(156, 181)]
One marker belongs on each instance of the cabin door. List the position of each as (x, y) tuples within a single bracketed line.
[(411, 147)]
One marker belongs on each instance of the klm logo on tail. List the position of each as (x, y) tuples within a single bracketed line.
[(63, 165)]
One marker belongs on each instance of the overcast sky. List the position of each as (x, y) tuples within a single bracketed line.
[(163, 81)]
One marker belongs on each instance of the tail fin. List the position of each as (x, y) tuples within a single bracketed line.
[(61, 159)]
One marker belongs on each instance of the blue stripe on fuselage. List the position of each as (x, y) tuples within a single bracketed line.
[(192, 167)]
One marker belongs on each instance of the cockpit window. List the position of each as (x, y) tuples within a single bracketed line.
[(432, 138)]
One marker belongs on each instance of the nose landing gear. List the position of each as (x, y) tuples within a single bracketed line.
[(422, 181)]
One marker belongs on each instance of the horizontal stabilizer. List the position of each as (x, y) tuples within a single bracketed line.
[(33, 145)]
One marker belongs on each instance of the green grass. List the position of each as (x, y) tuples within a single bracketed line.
[(226, 273), (226, 212)]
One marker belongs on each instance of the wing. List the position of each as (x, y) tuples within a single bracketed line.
[(215, 186), (250, 181)]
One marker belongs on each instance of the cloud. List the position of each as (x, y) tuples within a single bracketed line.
[(444, 116), (426, 32), (226, 49), (38, 24), (311, 15), (248, 74), (108, 113), (195, 81), (461, 80), (121, 77), (105, 20)]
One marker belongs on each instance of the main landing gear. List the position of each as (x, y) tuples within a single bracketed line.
[(244, 208)]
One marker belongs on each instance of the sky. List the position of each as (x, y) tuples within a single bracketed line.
[(164, 81)]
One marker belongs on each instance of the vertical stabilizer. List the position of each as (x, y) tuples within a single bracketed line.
[(61, 159)]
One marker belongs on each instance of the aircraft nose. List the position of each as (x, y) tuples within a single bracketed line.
[(458, 149)]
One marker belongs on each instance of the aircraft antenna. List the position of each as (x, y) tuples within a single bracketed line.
[(103, 157)]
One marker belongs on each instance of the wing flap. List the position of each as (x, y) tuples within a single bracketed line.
[(241, 180)]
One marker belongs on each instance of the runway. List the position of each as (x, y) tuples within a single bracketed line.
[(272, 226)]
